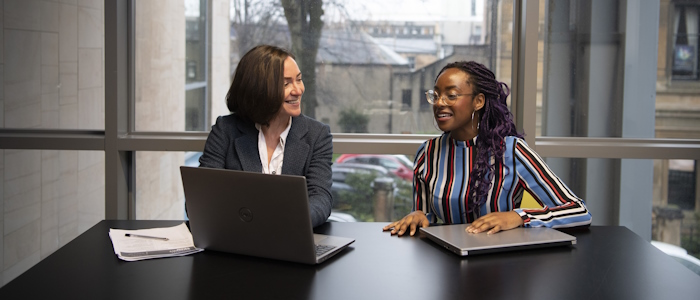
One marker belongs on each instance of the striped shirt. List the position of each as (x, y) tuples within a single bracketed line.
[(441, 185)]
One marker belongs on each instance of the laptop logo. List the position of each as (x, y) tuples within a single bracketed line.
[(245, 214)]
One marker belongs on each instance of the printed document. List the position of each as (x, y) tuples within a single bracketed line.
[(132, 245)]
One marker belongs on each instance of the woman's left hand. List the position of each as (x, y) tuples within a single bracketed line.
[(496, 221)]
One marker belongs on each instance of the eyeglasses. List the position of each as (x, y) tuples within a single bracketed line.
[(450, 99)]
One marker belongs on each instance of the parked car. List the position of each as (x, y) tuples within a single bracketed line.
[(400, 165), (340, 170), (337, 216), (679, 254)]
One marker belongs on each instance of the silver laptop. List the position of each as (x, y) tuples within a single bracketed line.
[(457, 240), (254, 214)]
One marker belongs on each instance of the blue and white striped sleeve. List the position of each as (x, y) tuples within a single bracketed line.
[(561, 207)]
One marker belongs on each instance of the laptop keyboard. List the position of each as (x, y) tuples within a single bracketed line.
[(322, 249)]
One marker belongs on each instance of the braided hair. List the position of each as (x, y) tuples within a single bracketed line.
[(495, 122)]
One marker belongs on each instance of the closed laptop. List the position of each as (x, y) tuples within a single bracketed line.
[(457, 240)]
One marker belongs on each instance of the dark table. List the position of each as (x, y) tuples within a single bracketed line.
[(608, 262)]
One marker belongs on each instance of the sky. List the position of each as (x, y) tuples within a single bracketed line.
[(396, 10), (390, 10)]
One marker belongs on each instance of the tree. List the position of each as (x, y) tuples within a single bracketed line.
[(257, 22), (305, 26), (352, 121)]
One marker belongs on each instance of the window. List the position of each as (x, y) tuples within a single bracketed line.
[(682, 176), (411, 62), (585, 96), (406, 99), (424, 105), (686, 23)]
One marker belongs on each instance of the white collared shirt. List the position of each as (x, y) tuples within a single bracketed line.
[(275, 166)]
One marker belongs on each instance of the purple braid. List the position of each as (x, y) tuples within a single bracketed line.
[(495, 123)]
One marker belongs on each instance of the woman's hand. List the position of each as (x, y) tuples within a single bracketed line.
[(412, 221), (496, 221)]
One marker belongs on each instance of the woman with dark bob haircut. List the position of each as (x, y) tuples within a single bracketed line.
[(266, 131), (477, 171)]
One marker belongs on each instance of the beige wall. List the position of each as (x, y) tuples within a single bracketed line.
[(51, 76), (160, 104), (220, 56)]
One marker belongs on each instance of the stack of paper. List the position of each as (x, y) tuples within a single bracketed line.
[(132, 245)]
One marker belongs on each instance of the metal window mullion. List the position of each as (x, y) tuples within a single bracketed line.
[(129, 157), (87, 140), (524, 81), (565, 147), (117, 85), (207, 56)]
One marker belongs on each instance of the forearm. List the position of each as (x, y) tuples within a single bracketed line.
[(561, 207), (570, 215), (320, 209), (319, 178)]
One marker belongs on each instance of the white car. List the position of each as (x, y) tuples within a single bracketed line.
[(341, 217), (679, 254)]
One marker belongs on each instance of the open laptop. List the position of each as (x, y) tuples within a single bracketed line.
[(457, 240), (254, 214)]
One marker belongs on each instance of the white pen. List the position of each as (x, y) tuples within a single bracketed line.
[(146, 236)]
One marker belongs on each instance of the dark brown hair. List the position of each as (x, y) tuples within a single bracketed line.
[(257, 91)]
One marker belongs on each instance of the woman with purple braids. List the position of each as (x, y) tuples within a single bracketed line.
[(477, 171)]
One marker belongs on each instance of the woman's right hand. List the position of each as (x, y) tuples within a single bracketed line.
[(412, 221)]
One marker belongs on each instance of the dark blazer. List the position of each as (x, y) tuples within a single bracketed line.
[(308, 150)]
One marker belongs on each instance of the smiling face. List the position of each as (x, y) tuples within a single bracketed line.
[(293, 89), (454, 84)]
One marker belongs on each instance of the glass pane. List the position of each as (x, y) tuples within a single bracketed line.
[(366, 64), (48, 197), (578, 86), (677, 81), (583, 51), (371, 187), (195, 109), (51, 67), (676, 210), (376, 59), (172, 65), (159, 194)]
